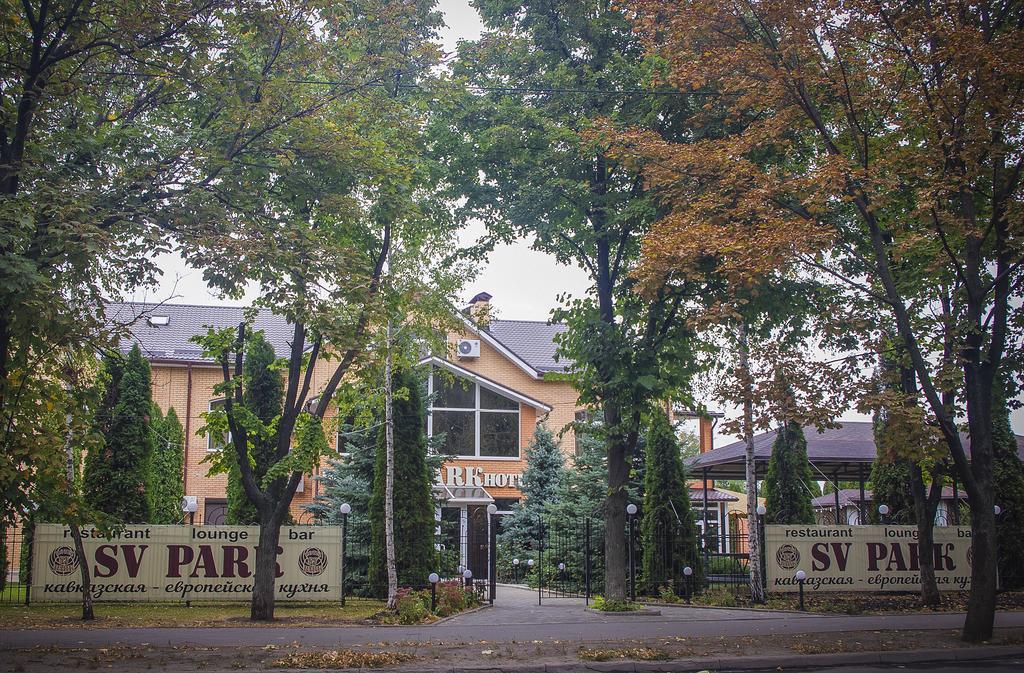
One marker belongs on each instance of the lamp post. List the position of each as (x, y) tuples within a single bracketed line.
[(467, 575), (561, 572), (346, 509), (631, 512), (883, 511), (492, 541), (515, 570), (687, 575), (800, 577), (998, 510), (434, 579), (763, 556)]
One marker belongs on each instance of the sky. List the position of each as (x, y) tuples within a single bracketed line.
[(525, 283)]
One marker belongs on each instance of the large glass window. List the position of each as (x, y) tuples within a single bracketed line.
[(476, 420)]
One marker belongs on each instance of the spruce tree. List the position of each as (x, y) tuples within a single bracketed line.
[(263, 397), (1008, 471), (166, 478), (788, 483), (668, 532), (542, 485), (117, 475), (413, 500)]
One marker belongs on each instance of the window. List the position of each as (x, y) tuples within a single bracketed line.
[(476, 421), (212, 445)]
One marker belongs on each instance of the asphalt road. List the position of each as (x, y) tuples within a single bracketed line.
[(569, 623), (992, 666)]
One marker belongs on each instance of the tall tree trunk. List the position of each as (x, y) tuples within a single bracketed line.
[(76, 532), (83, 566), (265, 577), (389, 478), (753, 519), (981, 606), (926, 501), (615, 506)]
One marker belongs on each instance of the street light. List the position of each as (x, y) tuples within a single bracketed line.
[(467, 575), (998, 510), (688, 573), (631, 511), (883, 511), (761, 510), (434, 579), (515, 569), (345, 510), (800, 577)]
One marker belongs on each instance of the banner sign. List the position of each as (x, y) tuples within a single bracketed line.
[(176, 563), (864, 558)]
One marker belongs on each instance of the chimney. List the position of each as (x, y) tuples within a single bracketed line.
[(707, 435), (480, 308)]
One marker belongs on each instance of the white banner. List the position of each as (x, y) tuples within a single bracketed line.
[(174, 563)]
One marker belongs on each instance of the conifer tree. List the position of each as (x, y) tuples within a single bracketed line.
[(890, 485), (263, 397), (542, 485), (166, 478), (788, 483), (668, 532), (117, 475), (1008, 471), (413, 500)]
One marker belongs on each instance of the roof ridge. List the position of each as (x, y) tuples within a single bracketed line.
[(537, 322), (159, 304)]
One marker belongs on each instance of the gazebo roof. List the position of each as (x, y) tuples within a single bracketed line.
[(841, 452)]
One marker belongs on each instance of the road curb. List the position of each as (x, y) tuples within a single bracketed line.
[(743, 663)]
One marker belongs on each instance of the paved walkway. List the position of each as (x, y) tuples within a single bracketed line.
[(514, 618)]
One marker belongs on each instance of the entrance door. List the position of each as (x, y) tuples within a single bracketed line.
[(476, 519)]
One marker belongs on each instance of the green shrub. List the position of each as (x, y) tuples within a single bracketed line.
[(413, 606), (600, 603), (721, 598)]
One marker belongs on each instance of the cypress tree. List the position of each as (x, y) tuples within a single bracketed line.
[(117, 474), (668, 532), (166, 477), (413, 498), (263, 397), (788, 483), (890, 485), (1008, 479)]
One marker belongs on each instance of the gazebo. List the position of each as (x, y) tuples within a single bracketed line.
[(844, 453)]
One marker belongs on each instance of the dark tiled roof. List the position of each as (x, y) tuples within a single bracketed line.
[(851, 496), (714, 495), (843, 450), (171, 341), (531, 340)]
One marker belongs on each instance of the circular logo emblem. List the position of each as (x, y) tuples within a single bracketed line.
[(63, 560), (313, 561), (787, 557)]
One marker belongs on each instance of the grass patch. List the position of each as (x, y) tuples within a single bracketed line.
[(341, 659), (198, 615), (604, 605), (635, 653)]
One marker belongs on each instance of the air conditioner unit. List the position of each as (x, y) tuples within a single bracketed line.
[(468, 348), (189, 504)]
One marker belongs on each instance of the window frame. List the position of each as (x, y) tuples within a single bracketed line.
[(209, 438), (476, 410)]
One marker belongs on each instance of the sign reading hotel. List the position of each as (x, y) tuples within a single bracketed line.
[(174, 563), (457, 475), (864, 558)]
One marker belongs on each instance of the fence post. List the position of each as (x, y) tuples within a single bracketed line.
[(632, 558), (345, 509), (29, 532), (586, 559), (492, 569), (764, 552), (540, 562)]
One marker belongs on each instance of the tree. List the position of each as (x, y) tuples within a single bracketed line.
[(668, 532), (543, 486), (900, 179), (516, 154), (166, 484), (413, 515), (1009, 485), (262, 397), (787, 485), (117, 475)]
